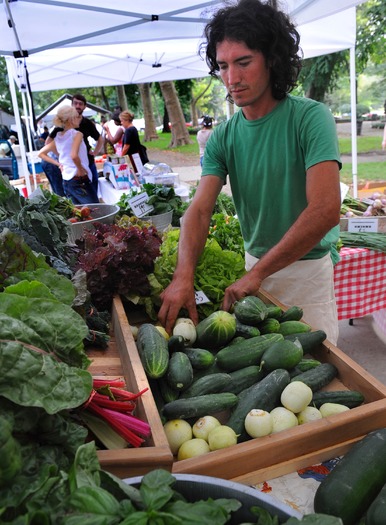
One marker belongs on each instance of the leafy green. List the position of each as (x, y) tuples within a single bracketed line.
[(370, 240), (227, 232), (30, 313)]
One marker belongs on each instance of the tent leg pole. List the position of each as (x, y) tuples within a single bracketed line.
[(354, 150), (11, 78)]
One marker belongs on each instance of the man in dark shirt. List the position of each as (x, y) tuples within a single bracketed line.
[(88, 128)]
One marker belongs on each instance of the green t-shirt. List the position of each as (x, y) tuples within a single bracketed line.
[(267, 160)]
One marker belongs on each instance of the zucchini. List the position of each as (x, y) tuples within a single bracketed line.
[(309, 340), (349, 398), (274, 312), (264, 395), (176, 343), (318, 377), (269, 326), (200, 358), (180, 371), (216, 330), (245, 330), (293, 327), (250, 310), (350, 488), (248, 352), (199, 406), (377, 510), (293, 313), (283, 354), (244, 378), (304, 365), (210, 384), (153, 350)]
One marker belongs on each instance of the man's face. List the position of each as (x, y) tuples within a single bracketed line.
[(78, 105)]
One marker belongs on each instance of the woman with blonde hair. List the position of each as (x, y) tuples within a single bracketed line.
[(69, 146), (131, 142)]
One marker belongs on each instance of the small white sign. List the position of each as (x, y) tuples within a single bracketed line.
[(363, 225), (201, 298), (140, 206)]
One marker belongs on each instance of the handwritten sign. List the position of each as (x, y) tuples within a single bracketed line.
[(364, 224), (140, 206), (201, 298)]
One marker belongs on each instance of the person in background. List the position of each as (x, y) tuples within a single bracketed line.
[(131, 142), (53, 174), (88, 129), (114, 134), (5, 149), (71, 157), (203, 135), (384, 129), (45, 133), (281, 155)]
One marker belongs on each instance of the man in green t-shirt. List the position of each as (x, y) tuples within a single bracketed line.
[(281, 155)]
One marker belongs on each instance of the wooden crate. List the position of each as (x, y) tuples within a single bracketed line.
[(121, 359), (304, 445)]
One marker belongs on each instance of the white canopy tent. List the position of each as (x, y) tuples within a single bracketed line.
[(85, 43)]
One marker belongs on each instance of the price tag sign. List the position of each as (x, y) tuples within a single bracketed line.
[(201, 298), (363, 224), (140, 206)]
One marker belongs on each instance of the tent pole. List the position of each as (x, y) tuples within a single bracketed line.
[(354, 149), (19, 127), (30, 145)]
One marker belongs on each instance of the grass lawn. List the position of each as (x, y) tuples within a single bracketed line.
[(367, 171)]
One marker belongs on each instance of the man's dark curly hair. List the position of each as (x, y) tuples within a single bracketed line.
[(261, 28)]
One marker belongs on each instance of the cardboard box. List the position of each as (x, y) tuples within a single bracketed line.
[(121, 359), (303, 445)]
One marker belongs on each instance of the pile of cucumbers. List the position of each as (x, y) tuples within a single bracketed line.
[(263, 354)]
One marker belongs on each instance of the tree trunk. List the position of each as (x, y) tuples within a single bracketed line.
[(180, 134), (122, 101), (150, 128)]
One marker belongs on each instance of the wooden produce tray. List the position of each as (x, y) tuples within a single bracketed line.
[(284, 452), (121, 359), (370, 224)]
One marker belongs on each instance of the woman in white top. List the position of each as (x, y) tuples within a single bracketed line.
[(203, 135), (71, 150)]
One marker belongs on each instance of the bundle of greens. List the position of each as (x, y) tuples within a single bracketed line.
[(370, 240)]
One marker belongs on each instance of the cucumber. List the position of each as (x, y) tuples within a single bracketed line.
[(309, 340), (250, 310), (244, 378), (167, 392), (212, 369), (237, 340), (283, 354), (153, 350), (318, 377), (349, 398), (293, 327), (350, 488), (377, 511), (176, 343), (264, 395), (245, 330), (269, 326), (199, 357), (304, 365), (211, 384), (248, 352), (293, 313), (199, 406), (216, 330), (274, 312), (180, 371)]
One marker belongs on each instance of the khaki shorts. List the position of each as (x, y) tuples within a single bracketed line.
[(308, 284)]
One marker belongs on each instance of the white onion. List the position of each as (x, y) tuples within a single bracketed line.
[(282, 419), (204, 425), (309, 414), (221, 437), (296, 396), (177, 432), (192, 448), (330, 409), (258, 423)]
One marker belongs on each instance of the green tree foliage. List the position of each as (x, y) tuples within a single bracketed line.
[(371, 35)]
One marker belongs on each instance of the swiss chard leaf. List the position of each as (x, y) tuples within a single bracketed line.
[(43, 322), (30, 378)]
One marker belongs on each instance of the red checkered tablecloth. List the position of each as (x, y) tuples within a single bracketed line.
[(360, 282)]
